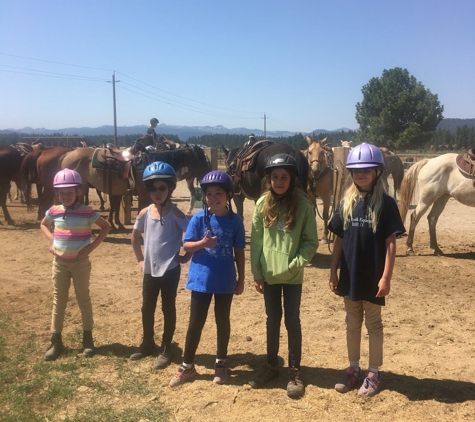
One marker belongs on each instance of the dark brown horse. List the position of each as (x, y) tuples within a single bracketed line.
[(251, 181), (41, 167), (394, 167), (10, 162)]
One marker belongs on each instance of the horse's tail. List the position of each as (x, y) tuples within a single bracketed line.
[(29, 175), (408, 186)]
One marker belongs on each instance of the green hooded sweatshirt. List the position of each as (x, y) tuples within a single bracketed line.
[(279, 256)]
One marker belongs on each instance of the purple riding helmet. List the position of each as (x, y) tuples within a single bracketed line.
[(219, 178), (365, 156), (67, 179)]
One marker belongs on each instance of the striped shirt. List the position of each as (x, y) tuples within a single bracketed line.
[(73, 232)]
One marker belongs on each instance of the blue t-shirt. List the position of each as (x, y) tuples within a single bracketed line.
[(212, 270)]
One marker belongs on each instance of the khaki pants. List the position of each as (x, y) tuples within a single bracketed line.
[(79, 270), (356, 311)]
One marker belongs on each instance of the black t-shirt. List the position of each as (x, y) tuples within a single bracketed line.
[(151, 131), (364, 252)]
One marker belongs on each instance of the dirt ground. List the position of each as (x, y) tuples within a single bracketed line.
[(429, 350)]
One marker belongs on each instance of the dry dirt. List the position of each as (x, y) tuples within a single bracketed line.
[(429, 333)]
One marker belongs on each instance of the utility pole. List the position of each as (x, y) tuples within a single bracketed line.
[(115, 113), (265, 136)]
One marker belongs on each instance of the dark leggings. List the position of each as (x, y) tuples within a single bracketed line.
[(198, 313), (292, 294), (168, 285)]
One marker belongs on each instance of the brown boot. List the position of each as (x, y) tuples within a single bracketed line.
[(87, 343), (56, 347), (295, 387), (267, 373)]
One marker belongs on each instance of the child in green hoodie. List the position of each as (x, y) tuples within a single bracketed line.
[(283, 240)]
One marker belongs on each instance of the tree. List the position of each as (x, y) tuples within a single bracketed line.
[(397, 111)]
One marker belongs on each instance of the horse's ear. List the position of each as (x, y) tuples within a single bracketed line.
[(324, 141), (309, 140), (226, 152)]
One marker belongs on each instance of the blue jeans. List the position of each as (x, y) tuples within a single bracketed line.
[(292, 294), (152, 286)]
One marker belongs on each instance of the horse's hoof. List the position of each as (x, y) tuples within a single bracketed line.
[(410, 252), (10, 222), (438, 252)]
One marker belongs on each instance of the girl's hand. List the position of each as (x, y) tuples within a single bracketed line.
[(239, 287), (141, 266), (85, 251), (383, 288), (333, 283), (259, 285), (209, 242)]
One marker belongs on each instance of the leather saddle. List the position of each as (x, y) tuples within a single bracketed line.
[(112, 159), (246, 158), (466, 163)]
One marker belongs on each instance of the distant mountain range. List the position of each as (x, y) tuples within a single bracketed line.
[(183, 132)]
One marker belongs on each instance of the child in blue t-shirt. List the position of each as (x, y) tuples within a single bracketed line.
[(215, 236)]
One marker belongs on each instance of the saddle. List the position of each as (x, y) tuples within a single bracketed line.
[(466, 163), (246, 158), (111, 159)]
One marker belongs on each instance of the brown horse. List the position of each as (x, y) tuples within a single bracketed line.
[(320, 182), (394, 167), (10, 162), (188, 163), (40, 167)]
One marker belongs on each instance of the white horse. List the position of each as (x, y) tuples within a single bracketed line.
[(439, 179)]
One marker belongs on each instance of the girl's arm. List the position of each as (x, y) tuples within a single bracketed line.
[(46, 229), (384, 284), (206, 242), (137, 248), (336, 258), (240, 264), (105, 228)]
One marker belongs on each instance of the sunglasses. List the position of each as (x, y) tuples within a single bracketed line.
[(157, 189)]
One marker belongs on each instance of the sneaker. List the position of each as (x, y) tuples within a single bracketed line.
[(295, 387), (182, 375), (371, 385), (220, 373), (147, 348), (266, 374), (348, 381)]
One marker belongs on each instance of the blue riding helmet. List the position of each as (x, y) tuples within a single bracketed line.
[(160, 171)]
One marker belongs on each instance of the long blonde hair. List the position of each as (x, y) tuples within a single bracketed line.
[(285, 205), (374, 203)]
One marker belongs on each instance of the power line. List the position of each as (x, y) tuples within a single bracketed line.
[(52, 73), (56, 77)]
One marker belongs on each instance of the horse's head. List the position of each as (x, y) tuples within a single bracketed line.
[(319, 155), (200, 161)]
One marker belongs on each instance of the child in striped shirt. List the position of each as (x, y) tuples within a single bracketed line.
[(70, 245)]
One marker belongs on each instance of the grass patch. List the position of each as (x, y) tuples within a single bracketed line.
[(34, 390)]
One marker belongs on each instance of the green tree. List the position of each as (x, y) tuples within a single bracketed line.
[(397, 111)]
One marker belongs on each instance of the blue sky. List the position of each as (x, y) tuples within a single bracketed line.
[(207, 62)]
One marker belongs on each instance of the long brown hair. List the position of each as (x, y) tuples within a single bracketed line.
[(285, 205)]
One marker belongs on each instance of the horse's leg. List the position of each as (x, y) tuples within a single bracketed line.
[(86, 196), (191, 188), (99, 194), (4, 189), (239, 203), (114, 212), (46, 201), (433, 217), (420, 210), (326, 208)]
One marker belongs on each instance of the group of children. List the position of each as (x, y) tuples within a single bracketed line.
[(283, 241)]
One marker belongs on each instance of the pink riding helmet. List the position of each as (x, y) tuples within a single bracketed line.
[(67, 179)]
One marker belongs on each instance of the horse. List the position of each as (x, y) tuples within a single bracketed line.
[(394, 167), (188, 163), (10, 162), (320, 182), (251, 180), (438, 179), (40, 167)]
